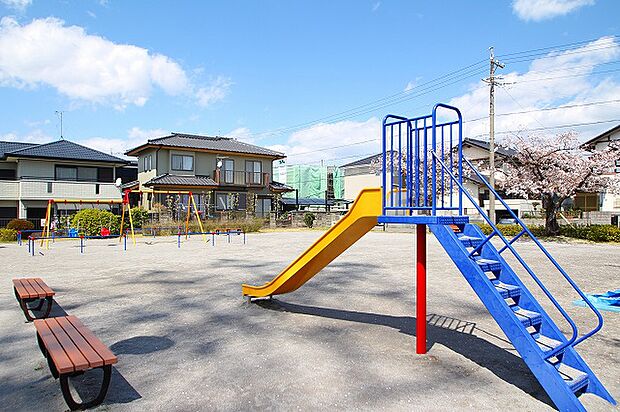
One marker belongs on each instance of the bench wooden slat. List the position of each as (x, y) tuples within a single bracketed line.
[(48, 291), (106, 354), (21, 290), (80, 363), (59, 357), (29, 289), (93, 358), (35, 285)]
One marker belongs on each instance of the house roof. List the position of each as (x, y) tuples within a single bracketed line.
[(368, 160), (307, 201), (595, 139), (176, 180), (7, 147), (363, 162), (216, 144), (502, 151), (60, 149), (280, 187)]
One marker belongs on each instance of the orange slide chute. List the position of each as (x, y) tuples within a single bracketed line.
[(358, 221)]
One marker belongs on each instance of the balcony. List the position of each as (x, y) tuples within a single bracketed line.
[(9, 189), (240, 178), (48, 189)]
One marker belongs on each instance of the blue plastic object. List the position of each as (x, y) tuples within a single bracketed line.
[(609, 301), (73, 232), (422, 174)]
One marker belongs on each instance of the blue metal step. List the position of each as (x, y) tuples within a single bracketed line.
[(545, 343), (574, 378), (527, 317), (488, 265), (469, 241), (505, 290), (525, 322)]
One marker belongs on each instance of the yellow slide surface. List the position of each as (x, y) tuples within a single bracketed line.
[(360, 219)]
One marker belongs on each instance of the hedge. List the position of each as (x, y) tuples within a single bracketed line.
[(20, 224), (90, 221), (8, 235), (596, 233)]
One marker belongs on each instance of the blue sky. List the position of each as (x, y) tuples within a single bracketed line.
[(272, 72)]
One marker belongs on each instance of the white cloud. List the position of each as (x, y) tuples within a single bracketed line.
[(118, 146), (18, 5), (376, 6), (91, 68), (537, 10), (242, 133), (354, 138), (35, 136), (91, 14), (549, 82), (216, 91)]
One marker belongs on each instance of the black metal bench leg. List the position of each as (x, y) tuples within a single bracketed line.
[(73, 405), (50, 302)]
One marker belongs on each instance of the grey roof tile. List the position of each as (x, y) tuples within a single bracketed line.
[(217, 143), (176, 180), (64, 149), (7, 147)]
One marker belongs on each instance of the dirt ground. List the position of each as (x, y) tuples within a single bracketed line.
[(187, 340)]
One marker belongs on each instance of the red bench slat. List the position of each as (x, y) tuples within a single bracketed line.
[(106, 354), (21, 291), (93, 358), (35, 286), (29, 289), (80, 363), (54, 348), (48, 291)]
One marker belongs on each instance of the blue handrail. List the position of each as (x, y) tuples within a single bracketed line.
[(573, 341)]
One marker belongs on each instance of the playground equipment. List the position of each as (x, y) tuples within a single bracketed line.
[(422, 171), (46, 233)]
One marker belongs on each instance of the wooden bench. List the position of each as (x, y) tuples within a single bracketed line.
[(28, 290), (72, 349)]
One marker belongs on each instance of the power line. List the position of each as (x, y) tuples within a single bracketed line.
[(565, 126)]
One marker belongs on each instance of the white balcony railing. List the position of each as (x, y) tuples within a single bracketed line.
[(9, 189)]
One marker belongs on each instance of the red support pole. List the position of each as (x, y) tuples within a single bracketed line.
[(420, 313)]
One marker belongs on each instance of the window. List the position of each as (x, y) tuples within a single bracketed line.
[(79, 173), (87, 174), (182, 162), (105, 174), (263, 207), (254, 172), (146, 163), (66, 173), (228, 170), (49, 187), (97, 189), (222, 201), (8, 174)]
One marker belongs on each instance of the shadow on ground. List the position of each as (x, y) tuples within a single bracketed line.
[(452, 333)]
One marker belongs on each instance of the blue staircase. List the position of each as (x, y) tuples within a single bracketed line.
[(430, 158)]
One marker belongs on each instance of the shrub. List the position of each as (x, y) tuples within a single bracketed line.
[(309, 219), (8, 235), (90, 221), (20, 224), (596, 233), (139, 216)]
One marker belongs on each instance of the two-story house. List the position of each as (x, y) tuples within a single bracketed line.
[(606, 201), (221, 172), (31, 174)]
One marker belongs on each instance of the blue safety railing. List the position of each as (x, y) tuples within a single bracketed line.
[(409, 169), (575, 339)]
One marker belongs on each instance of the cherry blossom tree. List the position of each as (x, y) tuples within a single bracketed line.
[(555, 168)]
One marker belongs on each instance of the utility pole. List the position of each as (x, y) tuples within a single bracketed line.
[(59, 113), (492, 82)]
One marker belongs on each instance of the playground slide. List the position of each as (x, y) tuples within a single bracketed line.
[(360, 219)]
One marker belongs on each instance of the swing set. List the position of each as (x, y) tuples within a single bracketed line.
[(46, 234)]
